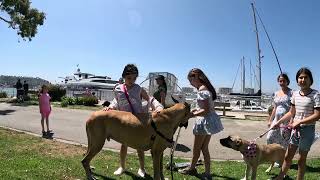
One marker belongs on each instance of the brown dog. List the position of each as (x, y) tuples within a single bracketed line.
[(254, 154), (136, 132)]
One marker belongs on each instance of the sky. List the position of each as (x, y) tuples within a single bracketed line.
[(102, 36)]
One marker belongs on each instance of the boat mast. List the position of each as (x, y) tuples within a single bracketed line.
[(258, 47), (243, 76)]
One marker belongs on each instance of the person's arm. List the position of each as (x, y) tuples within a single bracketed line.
[(204, 98), (163, 98), (203, 111), (271, 117), (308, 120), (155, 104), (286, 117)]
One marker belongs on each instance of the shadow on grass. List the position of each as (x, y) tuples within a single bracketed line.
[(7, 111), (286, 178), (308, 168), (102, 176), (134, 176), (224, 177)]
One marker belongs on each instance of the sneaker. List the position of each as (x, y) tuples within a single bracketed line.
[(276, 165), (142, 172), (188, 171), (44, 134), (119, 171)]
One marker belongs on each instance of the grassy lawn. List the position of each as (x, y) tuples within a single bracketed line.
[(24, 156)]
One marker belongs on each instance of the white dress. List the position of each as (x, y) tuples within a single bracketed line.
[(210, 123)]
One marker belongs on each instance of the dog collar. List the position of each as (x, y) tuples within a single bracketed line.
[(153, 125), (251, 150)]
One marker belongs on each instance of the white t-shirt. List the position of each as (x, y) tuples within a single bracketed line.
[(305, 104)]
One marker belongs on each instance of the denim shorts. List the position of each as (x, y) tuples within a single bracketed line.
[(306, 138)]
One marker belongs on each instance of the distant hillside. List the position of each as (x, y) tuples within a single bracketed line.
[(12, 80)]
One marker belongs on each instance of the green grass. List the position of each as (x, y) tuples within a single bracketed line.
[(24, 156)]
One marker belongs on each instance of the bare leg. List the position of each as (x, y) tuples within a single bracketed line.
[(47, 122), (141, 171), (206, 154), (302, 164), (291, 150), (197, 146), (42, 123), (123, 155)]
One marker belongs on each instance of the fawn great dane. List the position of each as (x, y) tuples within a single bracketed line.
[(141, 131)]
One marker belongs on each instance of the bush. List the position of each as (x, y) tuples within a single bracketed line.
[(68, 100), (64, 103), (90, 100), (3, 95), (56, 92), (78, 101)]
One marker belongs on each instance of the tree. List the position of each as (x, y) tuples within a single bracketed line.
[(21, 17)]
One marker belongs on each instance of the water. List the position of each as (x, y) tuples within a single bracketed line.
[(11, 92)]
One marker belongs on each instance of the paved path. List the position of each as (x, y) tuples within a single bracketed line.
[(69, 124)]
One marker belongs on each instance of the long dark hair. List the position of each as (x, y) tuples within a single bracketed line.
[(204, 80), (162, 78)]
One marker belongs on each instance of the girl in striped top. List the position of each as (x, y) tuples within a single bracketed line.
[(304, 112)]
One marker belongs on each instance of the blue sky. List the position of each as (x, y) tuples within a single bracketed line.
[(166, 35)]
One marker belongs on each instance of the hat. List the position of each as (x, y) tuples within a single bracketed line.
[(161, 77)]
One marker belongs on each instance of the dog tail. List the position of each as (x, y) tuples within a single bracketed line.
[(88, 136)]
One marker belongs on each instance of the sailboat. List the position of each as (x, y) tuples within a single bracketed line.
[(253, 100)]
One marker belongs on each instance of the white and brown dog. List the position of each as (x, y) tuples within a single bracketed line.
[(140, 131), (254, 154)]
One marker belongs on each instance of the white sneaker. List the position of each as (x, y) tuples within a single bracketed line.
[(276, 164), (119, 171), (142, 172)]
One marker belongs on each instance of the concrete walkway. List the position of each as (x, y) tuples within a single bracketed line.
[(69, 124)]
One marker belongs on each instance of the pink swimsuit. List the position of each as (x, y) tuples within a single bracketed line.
[(45, 107)]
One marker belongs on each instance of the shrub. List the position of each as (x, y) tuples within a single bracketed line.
[(78, 101), (90, 100), (3, 95), (68, 100), (64, 103), (56, 92)]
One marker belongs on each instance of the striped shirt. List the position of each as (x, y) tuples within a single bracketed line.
[(305, 104)]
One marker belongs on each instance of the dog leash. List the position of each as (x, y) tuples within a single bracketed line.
[(173, 148)]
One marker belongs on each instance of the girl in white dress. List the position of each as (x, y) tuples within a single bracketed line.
[(207, 122)]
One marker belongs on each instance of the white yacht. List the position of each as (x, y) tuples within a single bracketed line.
[(80, 83)]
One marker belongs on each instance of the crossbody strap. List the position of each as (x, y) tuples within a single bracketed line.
[(127, 96)]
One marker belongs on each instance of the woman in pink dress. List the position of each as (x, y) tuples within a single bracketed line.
[(45, 109)]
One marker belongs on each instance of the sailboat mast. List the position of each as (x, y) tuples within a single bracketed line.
[(258, 47)]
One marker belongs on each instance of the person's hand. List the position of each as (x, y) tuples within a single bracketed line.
[(107, 109), (274, 126), (269, 124), (294, 125), (193, 111)]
